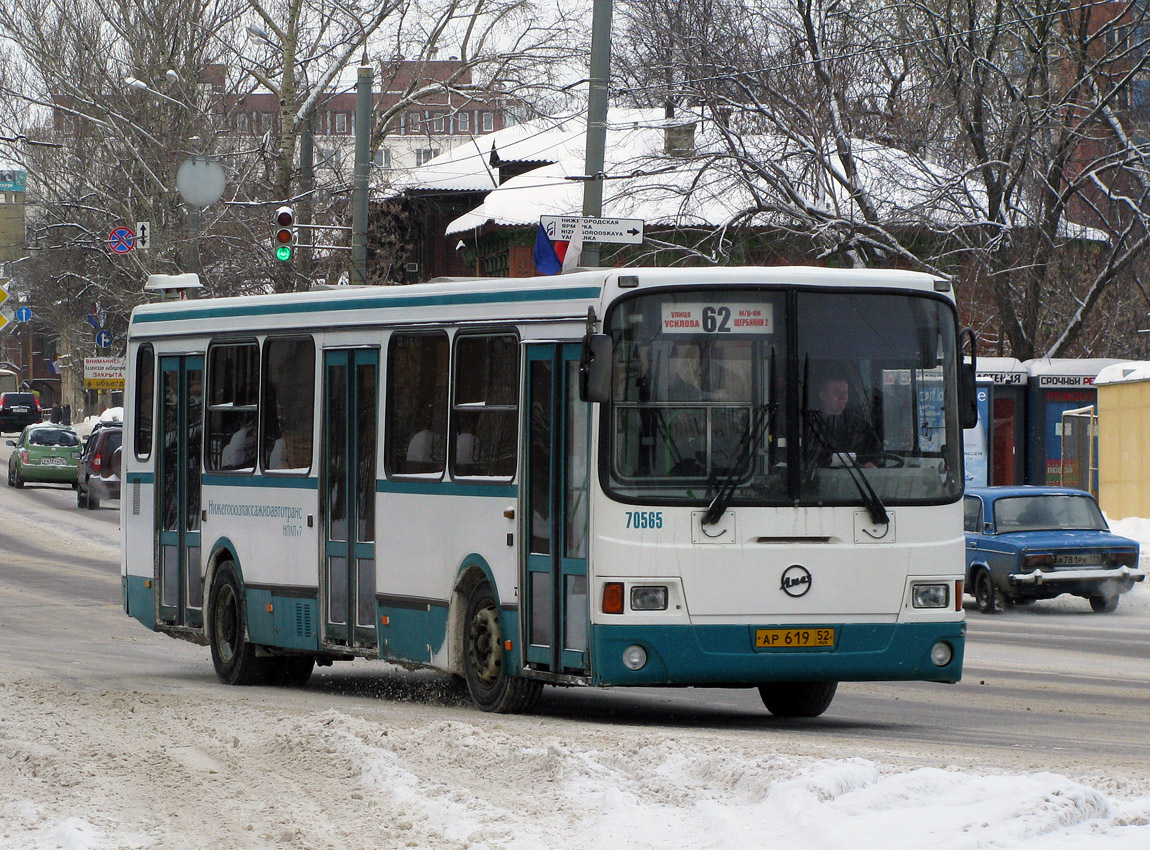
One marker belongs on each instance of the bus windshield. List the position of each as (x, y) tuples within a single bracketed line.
[(783, 397)]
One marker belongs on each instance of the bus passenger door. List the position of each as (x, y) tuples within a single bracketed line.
[(555, 508), (350, 404), (180, 590)]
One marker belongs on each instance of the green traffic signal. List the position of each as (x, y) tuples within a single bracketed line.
[(283, 253)]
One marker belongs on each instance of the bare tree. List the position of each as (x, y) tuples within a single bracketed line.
[(991, 140)]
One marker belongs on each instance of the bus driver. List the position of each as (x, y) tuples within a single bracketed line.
[(842, 427)]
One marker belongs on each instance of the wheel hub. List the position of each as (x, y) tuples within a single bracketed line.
[(486, 657)]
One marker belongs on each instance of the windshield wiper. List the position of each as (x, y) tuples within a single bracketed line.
[(761, 419), (871, 500)]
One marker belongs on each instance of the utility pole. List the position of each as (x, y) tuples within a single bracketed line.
[(307, 186), (363, 119), (597, 119)]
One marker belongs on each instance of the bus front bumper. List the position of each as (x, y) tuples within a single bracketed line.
[(713, 656)]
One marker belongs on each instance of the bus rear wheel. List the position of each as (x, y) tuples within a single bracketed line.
[(291, 671), (233, 656), (798, 699), (490, 685)]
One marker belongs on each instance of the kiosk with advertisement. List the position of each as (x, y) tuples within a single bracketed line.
[(1056, 385), (995, 451)]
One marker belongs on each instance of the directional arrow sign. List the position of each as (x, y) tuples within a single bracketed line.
[(104, 339), (24, 314), (621, 231), (143, 235)]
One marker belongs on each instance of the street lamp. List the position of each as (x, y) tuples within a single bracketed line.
[(140, 85), (200, 178)]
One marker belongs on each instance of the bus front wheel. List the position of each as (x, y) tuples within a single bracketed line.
[(489, 683), (798, 699), (233, 656)]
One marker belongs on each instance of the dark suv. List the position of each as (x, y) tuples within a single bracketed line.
[(19, 410), (98, 476)]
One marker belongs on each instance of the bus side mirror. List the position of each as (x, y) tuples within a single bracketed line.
[(967, 391), (595, 368)]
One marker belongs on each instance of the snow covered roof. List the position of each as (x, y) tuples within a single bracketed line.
[(467, 167), (1086, 367), (1134, 370), (709, 189)]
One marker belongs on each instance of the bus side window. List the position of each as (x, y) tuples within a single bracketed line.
[(485, 412), (145, 401), (416, 419), (288, 404), (233, 393)]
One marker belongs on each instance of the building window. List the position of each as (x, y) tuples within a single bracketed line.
[(382, 158), (437, 122), (463, 123), (341, 122), (413, 123), (425, 155), (488, 119), (331, 157)]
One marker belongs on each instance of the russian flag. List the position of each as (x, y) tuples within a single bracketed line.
[(548, 259)]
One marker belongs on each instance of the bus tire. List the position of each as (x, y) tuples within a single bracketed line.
[(798, 699), (233, 656), (291, 671), (489, 684)]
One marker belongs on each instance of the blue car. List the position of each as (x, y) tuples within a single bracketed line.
[(1027, 543)]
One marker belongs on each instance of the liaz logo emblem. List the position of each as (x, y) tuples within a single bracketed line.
[(796, 581)]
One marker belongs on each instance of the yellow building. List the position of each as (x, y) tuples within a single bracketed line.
[(1124, 439)]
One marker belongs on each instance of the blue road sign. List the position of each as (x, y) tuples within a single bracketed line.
[(24, 314), (104, 339), (122, 240)]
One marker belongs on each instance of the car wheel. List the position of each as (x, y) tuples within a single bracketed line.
[(92, 501), (1103, 604), (11, 475), (985, 595), (17, 478), (798, 699), (491, 686)]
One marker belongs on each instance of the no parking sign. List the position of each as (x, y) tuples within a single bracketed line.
[(122, 240)]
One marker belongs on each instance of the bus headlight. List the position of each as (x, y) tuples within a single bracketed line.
[(634, 657), (941, 654), (930, 595), (649, 598)]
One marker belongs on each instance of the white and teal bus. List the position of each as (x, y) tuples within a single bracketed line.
[(618, 477)]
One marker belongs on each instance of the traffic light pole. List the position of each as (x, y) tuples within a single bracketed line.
[(360, 184)]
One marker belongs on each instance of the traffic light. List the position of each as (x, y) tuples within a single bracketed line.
[(284, 233)]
